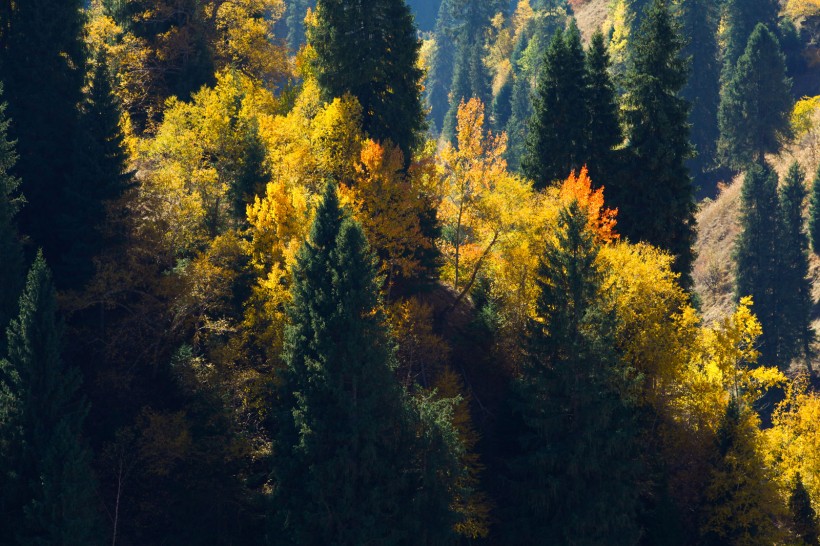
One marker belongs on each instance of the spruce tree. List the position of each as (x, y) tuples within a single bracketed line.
[(295, 14), (740, 19), (556, 141), (574, 480), (42, 62), (12, 273), (101, 176), (814, 214), (757, 255), (804, 518), (48, 492), (369, 48), (699, 23), (604, 131), (794, 286), (655, 196), (344, 468), (440, 75), (755, 103), (251, 176)]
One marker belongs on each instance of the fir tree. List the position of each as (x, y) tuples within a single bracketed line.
[(12, 273), (574, 480), (101, 176), (755, 103), (756, 255), (370, 50), (344, 469), (699, 24), (48, 493), (655, 197), (295, 14), (252, 175), (440, 76), (794, 286), (604, 131), (741, 17), (814, 214), (557, 134), (42, 62), (804, 518)]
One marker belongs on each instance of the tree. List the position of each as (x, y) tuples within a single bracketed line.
[(370, 50), (755, 103), (576, 480), (604, 131), (655, 197), (440, 75), (49, 492), (793, 274), (804, 518), (295, 14), (814, 214), (345, 467), (11, 252), (756, 255), (556, 142), (42, 62), (741, 18)]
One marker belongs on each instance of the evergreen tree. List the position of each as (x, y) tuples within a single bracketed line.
[(48, 492), (814, 214), (520, 114), (757, 255), (101, 176), (42, 61), (740, 19), (295, 14), (556, 141), (440, 75), (604, 131), (755, 103), (655, 196), (574, 480), (502, 104), (794, 286), (370, 50), (804, 518), (12, 273), (699, 23), (252, 175), (344, 469)]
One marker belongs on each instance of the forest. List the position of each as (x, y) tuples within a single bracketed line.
[(423, 272)]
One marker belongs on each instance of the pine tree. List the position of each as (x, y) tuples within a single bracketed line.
[(804, 518), (740, 19), (756, 255), (604, 130), (12, 273), (556, 143), (101, 176), (574, 480), (42, 62), (699, 24), (48, 493), (344, 469), (755, 103), (369, 48), (655, 197), (794, 286), (814, 214)]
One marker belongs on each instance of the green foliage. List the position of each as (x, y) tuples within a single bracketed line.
[(440, 75), (604, 133), (575, 480), (346, 467), (471, 79), (556, 142), (804, 518), (295, 13), (370, 50), (755, 103), (49, 492), (814, 214), (655, 196), (740, 19)]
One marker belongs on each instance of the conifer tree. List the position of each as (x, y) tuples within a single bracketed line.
[(369, 48), (814, 214), (471, 79), (42, 63), (755, 103), (440, 76), (604, 131), (252, 175), (12, 273), (295, 14), (699, 23), (793, 284), (344, 468), (756, 255), (655, 197), (101, 176), (48, 492), (556, 143), (804, 518), (574, 480), (740, 19)]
